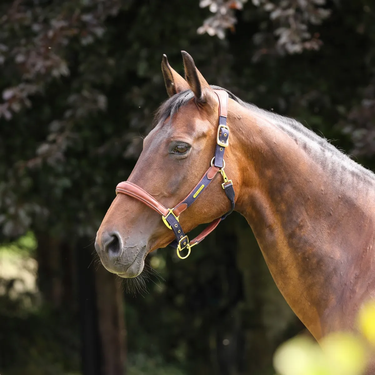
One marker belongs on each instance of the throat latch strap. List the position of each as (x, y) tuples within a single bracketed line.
[(170, 216)]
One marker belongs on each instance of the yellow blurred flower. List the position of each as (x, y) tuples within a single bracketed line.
[(344, 353), (300, 356), (366, 321)]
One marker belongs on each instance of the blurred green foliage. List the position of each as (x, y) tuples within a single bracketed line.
[(35, 339), (140, 364), (24, 245), (339, 353)]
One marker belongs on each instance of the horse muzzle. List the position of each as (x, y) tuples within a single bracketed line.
[(124, 260)]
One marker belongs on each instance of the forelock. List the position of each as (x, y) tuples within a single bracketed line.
[(172, 105)]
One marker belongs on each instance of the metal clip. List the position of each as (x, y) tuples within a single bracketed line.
[(225, 178), (225, 129), (164, 218)]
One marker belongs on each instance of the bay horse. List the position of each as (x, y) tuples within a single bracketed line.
[(311, 208)]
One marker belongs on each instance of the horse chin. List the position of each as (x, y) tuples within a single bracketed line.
[(133, 271), (124, 267)]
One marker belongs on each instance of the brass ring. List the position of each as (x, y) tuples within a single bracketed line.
[(212, 163), (184, 257)]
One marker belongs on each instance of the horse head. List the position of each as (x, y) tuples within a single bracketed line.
[(175, 156)]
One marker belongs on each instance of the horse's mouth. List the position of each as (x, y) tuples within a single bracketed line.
[(134, 270), (125, 269)]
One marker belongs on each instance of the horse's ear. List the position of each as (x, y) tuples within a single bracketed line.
[(174, 83), (193, 76)]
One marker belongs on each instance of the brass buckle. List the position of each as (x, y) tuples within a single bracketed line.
[(164, 218), (219, 142), (185, 245)]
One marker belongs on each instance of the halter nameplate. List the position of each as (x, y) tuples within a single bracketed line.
[(170, 216)]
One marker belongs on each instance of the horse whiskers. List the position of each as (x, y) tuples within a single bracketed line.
[(92, 242), (95, 261), (151, 271), (138, 285)]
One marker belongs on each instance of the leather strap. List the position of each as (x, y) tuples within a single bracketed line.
[(222, 140), (198, 189), (205, 232), (223, 102), (133, 190)]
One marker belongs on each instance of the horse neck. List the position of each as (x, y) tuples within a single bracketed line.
[(310, 228)]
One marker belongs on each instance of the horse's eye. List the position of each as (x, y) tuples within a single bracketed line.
[(180, 148)]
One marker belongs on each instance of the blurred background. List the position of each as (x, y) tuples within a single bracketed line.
[(80, 81)]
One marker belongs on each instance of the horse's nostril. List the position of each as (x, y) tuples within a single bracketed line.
[(112, 244)]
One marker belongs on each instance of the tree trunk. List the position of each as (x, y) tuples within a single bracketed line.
[(65, 267), (91, 359), (111, 321), (56, 276), (102, 318)]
